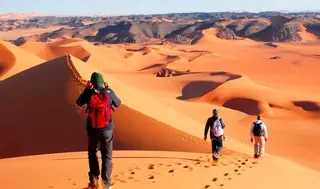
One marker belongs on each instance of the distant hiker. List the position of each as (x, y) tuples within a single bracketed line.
[(216, 125), (258, 133), (99, 98)]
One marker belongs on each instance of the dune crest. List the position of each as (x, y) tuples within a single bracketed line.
[(61, 83), (14, 60), (8, 60), (241, 94)]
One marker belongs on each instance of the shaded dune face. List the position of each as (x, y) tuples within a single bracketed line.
[(199, 88), (51, 122), (241, 94), (7, 60), (308, 106), (246, 105)]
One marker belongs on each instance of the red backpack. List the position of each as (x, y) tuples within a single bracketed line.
[(99, 110)]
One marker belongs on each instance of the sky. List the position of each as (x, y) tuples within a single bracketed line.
[(126, 7)]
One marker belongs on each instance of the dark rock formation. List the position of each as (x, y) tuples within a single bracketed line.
[(279, 31)]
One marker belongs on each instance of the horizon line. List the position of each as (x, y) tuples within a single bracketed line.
[(139, 14)]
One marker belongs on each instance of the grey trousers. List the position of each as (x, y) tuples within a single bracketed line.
[(259, 145), (106, 147)]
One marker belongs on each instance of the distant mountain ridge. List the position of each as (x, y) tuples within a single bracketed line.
[(181, 28)]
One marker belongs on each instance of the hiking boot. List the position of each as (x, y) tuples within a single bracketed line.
[(94, 182), (256, 156), (104, 186)]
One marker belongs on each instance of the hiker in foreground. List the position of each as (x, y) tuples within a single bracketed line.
[(99, 98), (258, 135), (216, 126)]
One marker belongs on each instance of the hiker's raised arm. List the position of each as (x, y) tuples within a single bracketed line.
[(114, 98), (83, 98)]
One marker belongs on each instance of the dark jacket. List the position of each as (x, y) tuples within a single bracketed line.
[(209, 125), (84, 99)]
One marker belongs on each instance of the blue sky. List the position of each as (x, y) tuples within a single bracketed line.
[(125, 7)]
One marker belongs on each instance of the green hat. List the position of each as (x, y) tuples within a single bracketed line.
[(96, 79)]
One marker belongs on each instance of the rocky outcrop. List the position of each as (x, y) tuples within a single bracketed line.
[(226, 33), (247, 28), (279, 31)]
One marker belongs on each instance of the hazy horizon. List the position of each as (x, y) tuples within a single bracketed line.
[(137, 7)]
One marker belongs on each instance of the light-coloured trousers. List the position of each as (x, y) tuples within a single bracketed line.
[(259, 145)]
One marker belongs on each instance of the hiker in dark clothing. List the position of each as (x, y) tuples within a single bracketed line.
[(104, 136), (216, 126)]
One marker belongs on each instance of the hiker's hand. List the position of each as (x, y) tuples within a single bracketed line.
[(205, 138), (266, 139), (251, 140), (106, 85), (89, 85)]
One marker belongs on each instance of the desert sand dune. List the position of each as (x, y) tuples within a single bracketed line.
[(307, 36), (164, 114), (15, 34), (284, 124), (96, 56), (240, 93), (60, 118), (55, 50), (13, 60), (8, 60)]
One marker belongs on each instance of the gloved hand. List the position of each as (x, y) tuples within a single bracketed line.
[(89, 85), (106, 85), (205, 138), (251, 140)]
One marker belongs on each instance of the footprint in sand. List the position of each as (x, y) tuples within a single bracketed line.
[(221, 185), (151, 177), (151, 166), (207, 186), (214, 179), (171, 171), (236, 170), (226, 174)]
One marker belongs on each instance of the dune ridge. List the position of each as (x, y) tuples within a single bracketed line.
[(8, 60), (162, 116), (14, 60), (240, 93), (61, 112)]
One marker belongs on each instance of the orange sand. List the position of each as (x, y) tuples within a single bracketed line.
[(163, 114), (15, 34), (14, 60)]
